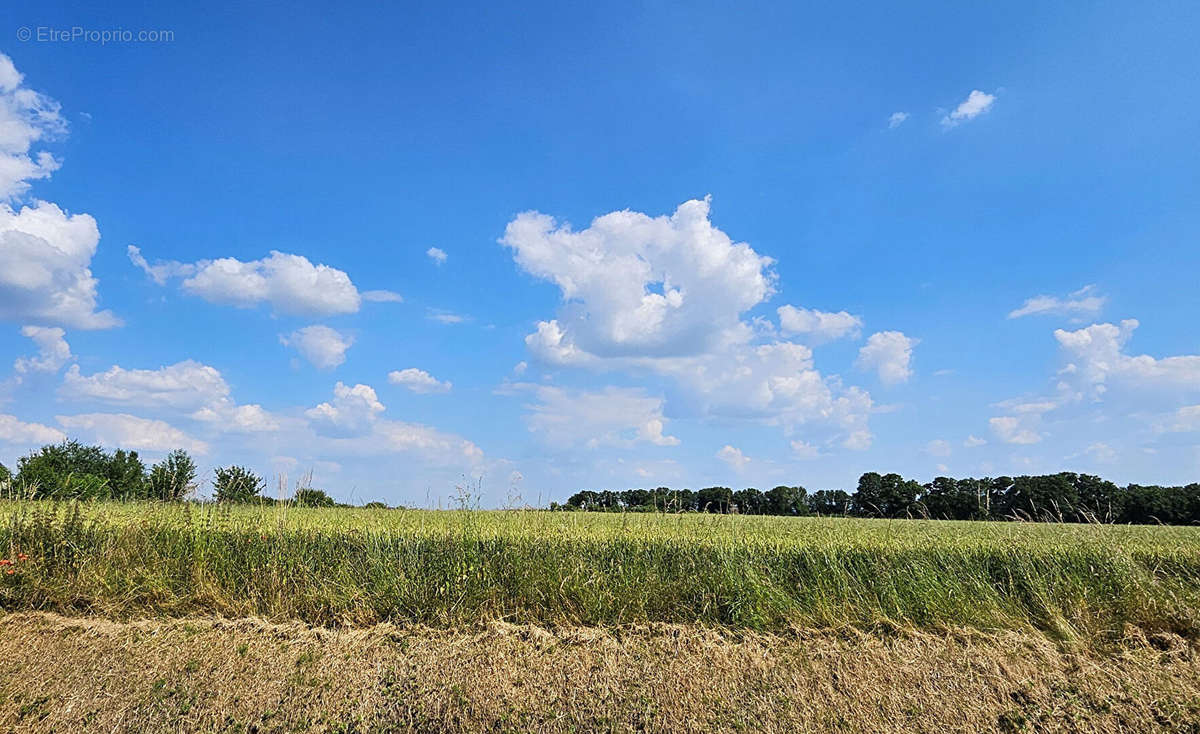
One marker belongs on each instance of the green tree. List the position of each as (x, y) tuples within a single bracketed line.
[(237, 484), (64, 471), (789, 501), (5, 474), (173, 478), (126, 475), (309, 497), (888, 495), (750, 501), (714, 499), (829, 502)]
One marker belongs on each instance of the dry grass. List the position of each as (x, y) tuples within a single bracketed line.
[(62, 674)]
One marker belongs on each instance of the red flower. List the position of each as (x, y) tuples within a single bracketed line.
[(10, 571), (22, 557), (5, 562)]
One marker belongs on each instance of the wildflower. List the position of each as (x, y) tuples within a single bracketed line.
[(10, 571), (22, 557), (5, 562)]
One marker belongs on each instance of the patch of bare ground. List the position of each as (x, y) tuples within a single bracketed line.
[(198, 675)]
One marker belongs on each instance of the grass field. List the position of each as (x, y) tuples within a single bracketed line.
[(456, 568)]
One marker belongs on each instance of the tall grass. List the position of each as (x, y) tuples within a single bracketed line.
[(352, 566)]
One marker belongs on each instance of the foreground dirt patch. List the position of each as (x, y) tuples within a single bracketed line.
[(67, 675)]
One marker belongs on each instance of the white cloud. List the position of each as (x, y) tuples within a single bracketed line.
[(1099, 364), (322, 346), (53, 350), (291, 284), (858, 440), (19, 433), (890, 354), (351, 424), (382, 297), (733, 457), (436, 254), (973, 441), (26, 118), (666, 295), (446, 317), (896, 119), (938, 447), (45, 276), (973, 106), (1101, 452), (419, 381), (131, 432), (610, 417), (1083, 302), (1011, 429), (1185, 419), (187, 387), (805, 450), (821, 325), (352, 411), (639, 285)]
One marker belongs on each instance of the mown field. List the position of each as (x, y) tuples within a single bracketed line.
[(357, 566)]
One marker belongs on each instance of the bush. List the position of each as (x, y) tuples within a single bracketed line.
[(237, 484), (174, 477), (64, 471), (309, 497)]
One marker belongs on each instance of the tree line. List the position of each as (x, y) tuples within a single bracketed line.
[(1062, 497), (71, 470)]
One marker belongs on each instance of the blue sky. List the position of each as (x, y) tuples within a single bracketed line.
[(547, 248)]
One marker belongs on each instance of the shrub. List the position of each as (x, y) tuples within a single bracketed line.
[(65, 470), (309, 497), (237, 484)]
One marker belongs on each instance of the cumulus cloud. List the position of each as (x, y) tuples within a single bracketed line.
[(1098, 360), (1083, 302), (613, 416), (322, 346), (45, 275), (131, 432), (973, 106), (938, 447), (53, 350), (18, 433), (351, 412), (188, 387), (352, 423), (733, 457), (890, 354), (1012, 429), (290, 284), (973, 441), (185, 385), (821, 326), (666, 295), (418, 381), (896, 119), (27, 118), (437, 255), (639, 285)]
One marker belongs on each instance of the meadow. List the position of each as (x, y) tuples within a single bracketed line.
[(448, 569)]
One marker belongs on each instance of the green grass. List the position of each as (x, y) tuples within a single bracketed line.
[(354, 566)]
